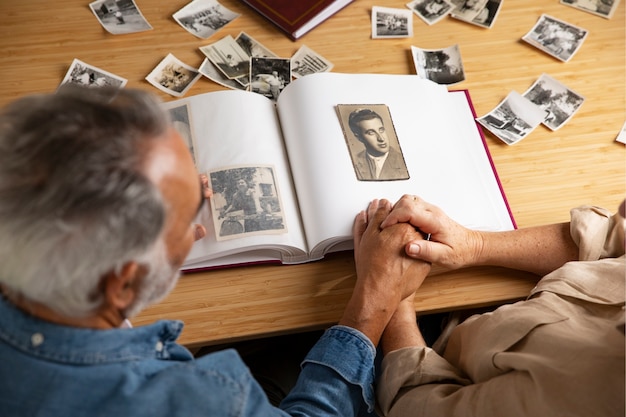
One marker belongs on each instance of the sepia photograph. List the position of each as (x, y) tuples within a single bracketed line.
[(372, 142), (604, 8), (173, 76), (555, 37), (202, 18), (513, 119), (443, 66), (84, 74), (389, 22), (228, 57), (306, 61), (119, 16), (431, 11), (559, 102), (486, 17), (269, 76), (246, 201)]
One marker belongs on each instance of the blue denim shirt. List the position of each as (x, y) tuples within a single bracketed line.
[(52, 370)]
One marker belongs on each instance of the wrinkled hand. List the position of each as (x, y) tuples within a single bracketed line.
[(451, 245), (199, 231)]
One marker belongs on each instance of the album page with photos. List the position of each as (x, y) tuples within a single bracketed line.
[(289, 177)]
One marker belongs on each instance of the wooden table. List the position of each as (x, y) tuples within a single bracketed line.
[(544, 175)]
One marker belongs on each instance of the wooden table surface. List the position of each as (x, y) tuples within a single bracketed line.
[(543, 176)]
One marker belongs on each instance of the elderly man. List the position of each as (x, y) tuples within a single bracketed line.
[(98, 195)]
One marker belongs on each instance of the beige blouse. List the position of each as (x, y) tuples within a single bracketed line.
[(558, 353)]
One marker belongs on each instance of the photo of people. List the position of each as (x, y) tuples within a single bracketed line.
[(119, 17), (604, 8), (228, 57), (202, 18), (173, 76), (443, 66), (555, 37), (431, 11), (306, 61), (467, 9), (269, 76), (485, 17), (181, 121), (245, 200), (391, 23), (372, 142), (90, 76)]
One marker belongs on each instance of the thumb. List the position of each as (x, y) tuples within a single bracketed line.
[(420, 249)]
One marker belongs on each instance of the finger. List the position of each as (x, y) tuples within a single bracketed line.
[(358, 228), (377, 211), (421, 249), (199, 231)]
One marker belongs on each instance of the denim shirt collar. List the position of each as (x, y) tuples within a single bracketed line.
[(80, 346)]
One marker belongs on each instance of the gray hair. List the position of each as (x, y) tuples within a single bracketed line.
[(74, 202)]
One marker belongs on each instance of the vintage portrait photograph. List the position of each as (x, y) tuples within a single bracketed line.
[(559, 102), (228, 57), (443, 66), (202, 18), (181, 121), (372, 142), (245, 201), (90, 76), (390, 22), (486, 17), (467, 9), (269, 76), (431, 11), (119, 17), (513, 119), (209, 70), (555, 37), (604, 8), (306, 61), (173, 76)]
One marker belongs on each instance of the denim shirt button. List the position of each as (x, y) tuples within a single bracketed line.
[(159, 346), (36, 339)]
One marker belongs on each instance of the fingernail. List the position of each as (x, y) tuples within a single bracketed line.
[(413, 249)]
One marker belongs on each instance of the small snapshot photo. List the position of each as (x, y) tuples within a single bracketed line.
[(84, 74), (246, 201), (467, 10), (209, 70), (390, 22), (306, 61), (485, 17), (431, 11), (372, 142), (228, 57), (181, 122), (202, 18), (443, 66), (252, 47), (556, 37), (513, 119), (604, 8), (119, 17), (269, 76), (559, 102), (172, 76)]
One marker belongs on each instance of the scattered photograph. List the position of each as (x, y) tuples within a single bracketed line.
[(173, 76), (90, 76), (208, 69), (621, 136), (513, 119), (119, 17), (253, 47), (269, 76), (202, 18), (246, 201), (604, 8), (228, 57), (467, 10), (431, 11), (390, 22), (559, 102), (306, 61), (181, 122), (486, 17), (555, 37), (443, 66), (372, 142)]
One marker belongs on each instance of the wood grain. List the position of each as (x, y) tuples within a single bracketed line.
[(544, 175)]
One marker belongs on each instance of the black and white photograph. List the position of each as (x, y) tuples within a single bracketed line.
[(209, 70), (246, 201), (269, 76), (431, 11), (372, 142), (604, 8), (467, 10), (443, 66), (173, 76), (555, 37), (513, 119), (486, 17), (228, 57), (306, 61), (119, 16), (559, 102), (390, 22), (202, 18), (84, 74), (181, 122), (253, 47)]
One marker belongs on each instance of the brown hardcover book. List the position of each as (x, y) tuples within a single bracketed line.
[(296, 18)]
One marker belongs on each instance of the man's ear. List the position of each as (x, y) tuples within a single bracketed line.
[(120, 289)]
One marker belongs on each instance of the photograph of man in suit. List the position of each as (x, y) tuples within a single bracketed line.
[(380, 160)]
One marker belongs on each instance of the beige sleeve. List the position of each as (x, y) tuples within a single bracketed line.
[(597, 232)]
